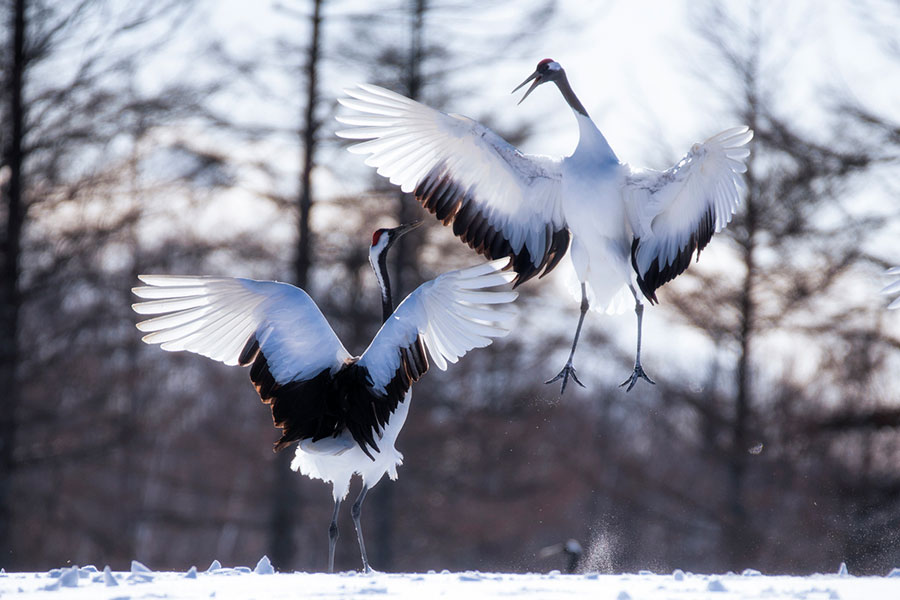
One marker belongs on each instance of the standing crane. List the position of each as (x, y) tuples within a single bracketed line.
[(628, 226), (345, 411), (893, 288)]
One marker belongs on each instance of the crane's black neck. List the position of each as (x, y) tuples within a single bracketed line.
[(387, 300), (562, 82)]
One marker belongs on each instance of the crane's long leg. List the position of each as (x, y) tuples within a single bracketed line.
[(638, 372), (355, 512), (569, 369), (333, 535)]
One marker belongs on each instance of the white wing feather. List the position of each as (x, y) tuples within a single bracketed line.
[(452, 313), (893, 288), (215, 317), (665, 208), (520, 194)]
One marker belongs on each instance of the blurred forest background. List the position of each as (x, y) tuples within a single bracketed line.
[(148, 136)]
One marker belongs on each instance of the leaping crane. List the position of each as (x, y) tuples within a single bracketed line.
[(345, 411), (628, 226)]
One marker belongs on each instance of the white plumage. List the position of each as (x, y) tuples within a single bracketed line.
[(301, 368), (627, 225)]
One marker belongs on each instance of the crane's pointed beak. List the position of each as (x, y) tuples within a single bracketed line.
[(537, 81), (406, 228)]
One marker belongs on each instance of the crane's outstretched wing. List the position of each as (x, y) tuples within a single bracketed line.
[(501, 202), (274, 326), (216, 317), (449, 315), (674, 212), (893, 288)]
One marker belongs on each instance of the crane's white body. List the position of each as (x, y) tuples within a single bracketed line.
[(627, 226), (601, 239), (336, 460), (603, 202)]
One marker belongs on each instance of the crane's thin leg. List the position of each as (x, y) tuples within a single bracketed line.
[(569, 369), (355, 512), (638, 372), (333, 535)]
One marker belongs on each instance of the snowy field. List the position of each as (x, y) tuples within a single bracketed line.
[(261, 582)]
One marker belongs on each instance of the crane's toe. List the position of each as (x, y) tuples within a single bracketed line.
[(637, 374), (567, 371)]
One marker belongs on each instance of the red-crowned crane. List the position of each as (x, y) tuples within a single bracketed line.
[(628, 226), (894, 287), (345, 411)]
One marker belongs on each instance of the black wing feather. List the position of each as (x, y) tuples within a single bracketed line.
[(656, 277), (452, 204), (328, 403)]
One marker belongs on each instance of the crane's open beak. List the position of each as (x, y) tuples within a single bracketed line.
[(404, 229), (537, 81)]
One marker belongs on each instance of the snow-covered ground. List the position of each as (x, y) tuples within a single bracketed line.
[(262, 582)]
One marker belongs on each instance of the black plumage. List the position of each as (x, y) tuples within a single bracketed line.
[(656, 277), (452, 204), (328, 403)]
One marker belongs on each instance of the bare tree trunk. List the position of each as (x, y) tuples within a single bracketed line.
[(737, 529), (405, 252), (405, 246), (9, 287), (309, 139), (286, 496), (738, 542)]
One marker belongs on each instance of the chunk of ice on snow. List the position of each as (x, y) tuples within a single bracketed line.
[(140, 573), (139, 567), (191, 574), (842, 570), (895, 572), (750, 573), (264, 566), (69, 577), (678, 575), (715, 586), (214, 565), (108, 578)]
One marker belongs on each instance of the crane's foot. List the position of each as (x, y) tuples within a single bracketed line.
[(637, 374), (567, 371)]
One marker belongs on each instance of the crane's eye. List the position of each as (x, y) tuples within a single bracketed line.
[(377, 236)]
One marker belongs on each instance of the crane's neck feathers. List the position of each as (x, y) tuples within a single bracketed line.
[(378, 260), (591, 142), (562, 82)]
